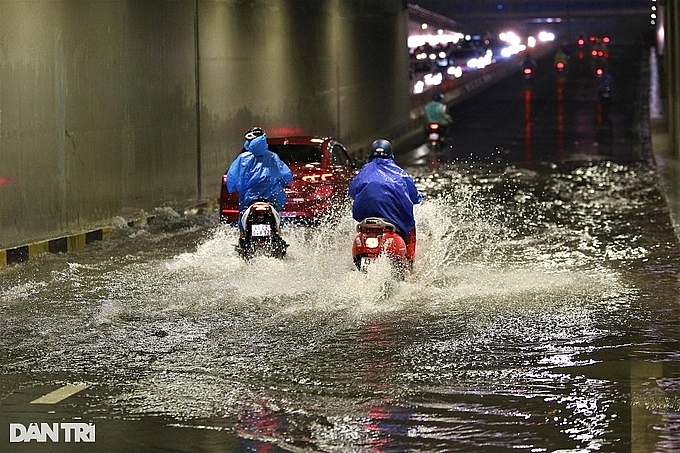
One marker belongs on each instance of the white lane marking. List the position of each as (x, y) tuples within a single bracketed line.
[(60, 394)]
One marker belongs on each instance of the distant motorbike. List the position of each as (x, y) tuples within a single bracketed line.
[(604, 86), (261, 235), (377, 237), (435, 135), (528, 67), (605, 93)]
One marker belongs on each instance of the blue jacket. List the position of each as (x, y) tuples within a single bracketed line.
[(383, 189), (258, 173)]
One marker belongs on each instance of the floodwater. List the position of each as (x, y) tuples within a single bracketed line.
[(541, 316)]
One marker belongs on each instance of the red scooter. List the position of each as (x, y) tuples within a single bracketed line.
[(375, 237)]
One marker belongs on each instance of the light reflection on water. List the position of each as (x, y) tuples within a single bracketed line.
[(536, 302)]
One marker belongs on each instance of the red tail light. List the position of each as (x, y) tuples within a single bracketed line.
[(560, 65), (433, 126), (318, 177), (224, 179), (599, 71), (528, 71), (581, 42)]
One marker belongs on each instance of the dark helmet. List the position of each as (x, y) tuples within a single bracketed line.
[(438, 97), (381, 148), (254, 132)]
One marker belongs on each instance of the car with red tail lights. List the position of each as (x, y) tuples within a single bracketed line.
[(322, 170)]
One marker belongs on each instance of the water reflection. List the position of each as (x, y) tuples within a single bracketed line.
[(528, 127), (559, 96)]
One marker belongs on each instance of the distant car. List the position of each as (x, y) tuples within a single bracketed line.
[(322, 169)]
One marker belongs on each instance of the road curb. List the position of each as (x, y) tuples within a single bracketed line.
[(78, 241)]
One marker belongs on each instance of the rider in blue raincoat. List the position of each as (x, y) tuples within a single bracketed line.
[(258, 173), (383, 189)]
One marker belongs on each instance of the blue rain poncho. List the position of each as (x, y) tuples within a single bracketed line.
[(258, 173), (383, 189)]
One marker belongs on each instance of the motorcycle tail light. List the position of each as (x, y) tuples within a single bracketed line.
[(372, 243)]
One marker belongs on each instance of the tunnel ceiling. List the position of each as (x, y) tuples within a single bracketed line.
[(462, 10), (619, 17)]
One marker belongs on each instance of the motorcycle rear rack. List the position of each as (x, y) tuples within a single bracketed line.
[(377, 224)]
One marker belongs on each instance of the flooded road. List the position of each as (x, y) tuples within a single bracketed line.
[(541, 316)]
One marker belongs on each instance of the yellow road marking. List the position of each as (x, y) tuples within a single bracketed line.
[(60, 394)]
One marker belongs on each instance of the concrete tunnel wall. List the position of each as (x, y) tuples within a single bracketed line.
[(113, 108)]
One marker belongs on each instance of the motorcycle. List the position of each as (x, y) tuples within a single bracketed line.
[(605, 93), (435, 136), (560, 67), (528, 68), (604, 86), (377, 237), (261, 235)]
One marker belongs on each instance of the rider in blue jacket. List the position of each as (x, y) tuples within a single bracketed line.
[(383, 189), (258, 173)]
